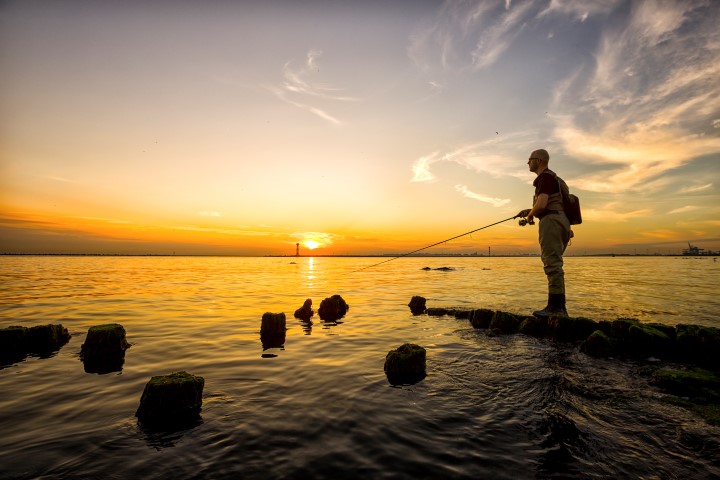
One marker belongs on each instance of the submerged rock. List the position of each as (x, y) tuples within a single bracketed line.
[(417, 305), (695, 389), (333, 308), (305, 312), (406, 364), (171, 399), (104, 348), (13, 343)]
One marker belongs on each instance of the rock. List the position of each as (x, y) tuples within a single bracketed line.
[(647, 340), (481, 317), (699, 344), (533, 326), (504, 322), (567, 329), (13, 343), (273, 330), (44, 339), (104, 349), (273, 323), (417, 305), (462, 314), (305, 312), (597, 345), (438, 312), (333, 308), (406, 364), (171, 399)]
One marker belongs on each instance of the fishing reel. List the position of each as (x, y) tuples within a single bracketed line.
[(524, 221)]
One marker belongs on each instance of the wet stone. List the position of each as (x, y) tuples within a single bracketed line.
[(597, 345), (104, 349), (171, 399), (333, 308), (417, 305), (306, 311), (405, 364)]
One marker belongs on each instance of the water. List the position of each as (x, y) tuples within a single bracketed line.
[(321, 407)]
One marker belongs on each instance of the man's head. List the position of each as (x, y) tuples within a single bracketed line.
[(538, 160)]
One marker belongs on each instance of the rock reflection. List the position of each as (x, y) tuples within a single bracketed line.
[(107, 364), (166, 436)]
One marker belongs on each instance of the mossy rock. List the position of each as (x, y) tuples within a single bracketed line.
[(598, 344), (605, 327), (701, 386), (533, 326), (43, 339), (104, 340), (406, 364), (620, 329), (333, 308), (481, 318), (648, 340), (417, 305), (505, 322), (699, 344), (567, 329), (273, 323), (171, 399)]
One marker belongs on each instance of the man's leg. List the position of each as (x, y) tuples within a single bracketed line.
[(554, 236)]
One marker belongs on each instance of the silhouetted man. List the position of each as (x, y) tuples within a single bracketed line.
[(554, 230)]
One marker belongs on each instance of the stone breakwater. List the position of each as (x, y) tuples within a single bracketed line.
[(682, 360)]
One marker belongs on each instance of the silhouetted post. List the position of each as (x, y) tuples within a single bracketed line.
[(297, 249)]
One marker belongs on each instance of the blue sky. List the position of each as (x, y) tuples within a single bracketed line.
[(367, 127)]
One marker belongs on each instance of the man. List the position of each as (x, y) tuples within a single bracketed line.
[(554, 230)]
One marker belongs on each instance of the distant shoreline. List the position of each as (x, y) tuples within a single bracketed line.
[(387, 255)]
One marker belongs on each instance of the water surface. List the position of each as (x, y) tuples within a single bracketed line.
[(321, 407)]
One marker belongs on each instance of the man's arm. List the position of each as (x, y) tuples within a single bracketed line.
[(540, 203)]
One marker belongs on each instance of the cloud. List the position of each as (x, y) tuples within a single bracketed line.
[(469, 35), (323, 238), (483, 157), (210, 214), (612, 213), (644, 107), (299, 88), (687, 208), (698, 188), (495, 202)]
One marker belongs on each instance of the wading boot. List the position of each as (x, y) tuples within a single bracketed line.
[(556, 305)]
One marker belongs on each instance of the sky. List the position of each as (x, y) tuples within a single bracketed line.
[(354, 127)]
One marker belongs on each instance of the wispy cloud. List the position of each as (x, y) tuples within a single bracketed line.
[(697, 188), (468, 35), (483, 157), (210, 214), (687, 208), (652, 96), (495, 202), (301, 88)]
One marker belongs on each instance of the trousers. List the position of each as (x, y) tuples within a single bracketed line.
[(554, 238)]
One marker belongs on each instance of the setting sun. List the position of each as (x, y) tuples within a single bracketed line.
[(311, 244)]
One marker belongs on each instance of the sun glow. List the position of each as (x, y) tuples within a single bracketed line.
[(311, 244)]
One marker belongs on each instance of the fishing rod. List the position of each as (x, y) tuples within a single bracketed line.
[(434, 244)]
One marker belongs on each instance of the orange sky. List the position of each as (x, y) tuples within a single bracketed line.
[(367, 128)]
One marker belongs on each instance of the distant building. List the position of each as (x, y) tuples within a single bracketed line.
[(693, 250)]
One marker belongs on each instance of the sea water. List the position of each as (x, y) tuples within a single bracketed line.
[(320, 406)]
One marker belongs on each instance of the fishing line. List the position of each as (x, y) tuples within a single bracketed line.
[(433, 245)]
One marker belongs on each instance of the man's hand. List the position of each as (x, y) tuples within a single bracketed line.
[(523, 213)]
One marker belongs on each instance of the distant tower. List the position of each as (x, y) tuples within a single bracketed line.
[(297, 249)]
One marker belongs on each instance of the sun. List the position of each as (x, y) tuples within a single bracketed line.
[(311, 244)]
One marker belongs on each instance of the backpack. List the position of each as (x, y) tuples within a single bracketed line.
[(571, 203)]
